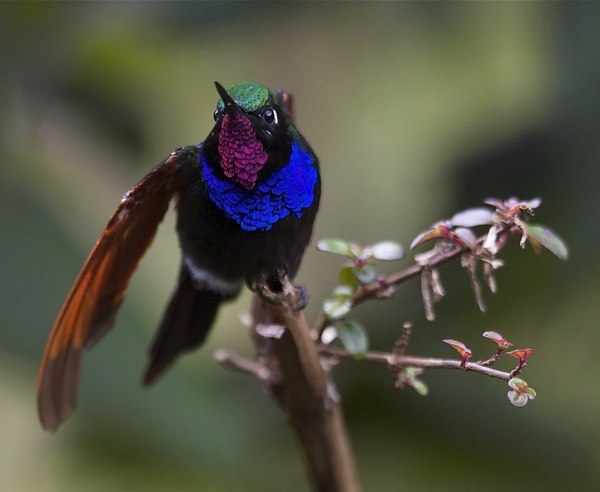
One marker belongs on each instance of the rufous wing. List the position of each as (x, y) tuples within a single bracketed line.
[(91, 305)]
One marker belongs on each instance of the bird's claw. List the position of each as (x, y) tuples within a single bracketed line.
[(280, 290)]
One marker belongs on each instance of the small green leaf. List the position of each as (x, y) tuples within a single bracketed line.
[(520, 393), (409, 377), (420, 387), (348, 276), (353, 337), (343, 292), (387, 251), (337, 308), (335, 246), (548, 239), (365, 273), (517, 399), (341, 304), (359, 252), (329, 335)]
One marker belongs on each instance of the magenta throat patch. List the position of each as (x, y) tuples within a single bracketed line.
[(242, 154)]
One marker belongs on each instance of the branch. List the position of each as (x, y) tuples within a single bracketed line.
[(383, 286), (375, 288), (243, 365), (291, 370), (402, 342), (400, 361), (380, 288)]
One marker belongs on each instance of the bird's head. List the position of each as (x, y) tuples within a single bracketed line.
[(251, 136)]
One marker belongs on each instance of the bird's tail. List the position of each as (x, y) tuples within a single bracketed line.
[(185, 324)]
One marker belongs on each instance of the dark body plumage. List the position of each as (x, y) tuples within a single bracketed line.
[(220, 246), (227, 256), (246, 202)]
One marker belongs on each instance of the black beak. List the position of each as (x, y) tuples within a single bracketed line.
[(230, 104)]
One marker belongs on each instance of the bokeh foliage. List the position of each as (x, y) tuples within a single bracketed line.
[(416, 110)]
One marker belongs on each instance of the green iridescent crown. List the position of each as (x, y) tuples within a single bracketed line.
[(247, 95)]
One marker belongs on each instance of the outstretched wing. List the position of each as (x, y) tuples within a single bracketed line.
[(90, 308)]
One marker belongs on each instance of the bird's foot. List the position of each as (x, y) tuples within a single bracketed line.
[(280, 290)]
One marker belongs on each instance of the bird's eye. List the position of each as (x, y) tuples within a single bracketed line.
[(217, 114), (270, 116)]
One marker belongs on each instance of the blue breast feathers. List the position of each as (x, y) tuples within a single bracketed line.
[(287, 191)]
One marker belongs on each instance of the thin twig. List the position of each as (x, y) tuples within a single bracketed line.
[(469, 262), (426, 294), (375, 288), (402, 342), (380, 287), (371, 290), (241, 364), (414, 361), (493, 359)]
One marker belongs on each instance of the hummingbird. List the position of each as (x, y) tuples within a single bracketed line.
[(246, 200)]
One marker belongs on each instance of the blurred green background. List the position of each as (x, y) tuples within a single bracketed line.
[(416, 110)]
